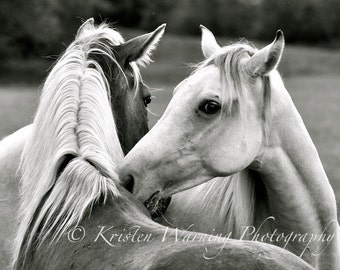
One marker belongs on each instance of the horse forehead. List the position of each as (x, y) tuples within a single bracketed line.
[(205, 78)]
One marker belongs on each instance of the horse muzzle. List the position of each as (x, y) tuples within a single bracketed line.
[(157, 205)]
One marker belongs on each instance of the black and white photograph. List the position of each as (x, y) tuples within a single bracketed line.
[(169, 134)]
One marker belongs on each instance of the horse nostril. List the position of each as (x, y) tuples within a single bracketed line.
[(129, 183)]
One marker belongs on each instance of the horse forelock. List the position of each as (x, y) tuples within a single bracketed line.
[(74, 118), (229, 60)]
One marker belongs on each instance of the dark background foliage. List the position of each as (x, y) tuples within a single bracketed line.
[(42, 27)]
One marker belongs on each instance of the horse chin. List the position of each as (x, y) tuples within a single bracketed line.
[(157, 205)]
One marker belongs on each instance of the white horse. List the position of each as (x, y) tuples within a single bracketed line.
[(234, 119)]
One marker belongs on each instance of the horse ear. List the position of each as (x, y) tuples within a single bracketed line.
[(268, 58), (139, 49), (208, 43), (88, 24)]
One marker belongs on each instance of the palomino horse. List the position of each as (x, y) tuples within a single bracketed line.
[(69, 178), (233, 114), (122, 97)]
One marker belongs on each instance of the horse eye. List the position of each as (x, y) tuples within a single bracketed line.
[(209, 107), (147, 100)]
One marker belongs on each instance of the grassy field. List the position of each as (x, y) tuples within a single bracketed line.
[(311, 75)]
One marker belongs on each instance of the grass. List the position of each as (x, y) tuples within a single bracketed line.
[(17, 107), (311, 75)]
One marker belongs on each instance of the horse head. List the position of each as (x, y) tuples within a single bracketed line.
[(215, 124)]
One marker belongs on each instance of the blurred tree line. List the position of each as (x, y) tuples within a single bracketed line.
[(42, 27)]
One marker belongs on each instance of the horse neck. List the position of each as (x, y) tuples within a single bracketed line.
[(299, 194)]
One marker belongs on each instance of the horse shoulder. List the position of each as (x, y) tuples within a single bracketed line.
[(12, 146), (10, 151)]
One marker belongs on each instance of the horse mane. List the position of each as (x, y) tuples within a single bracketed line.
[(70, 161), (235, 201), (238, 194)]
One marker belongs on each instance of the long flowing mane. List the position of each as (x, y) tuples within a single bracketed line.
[(241, 194), (70, 160)]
